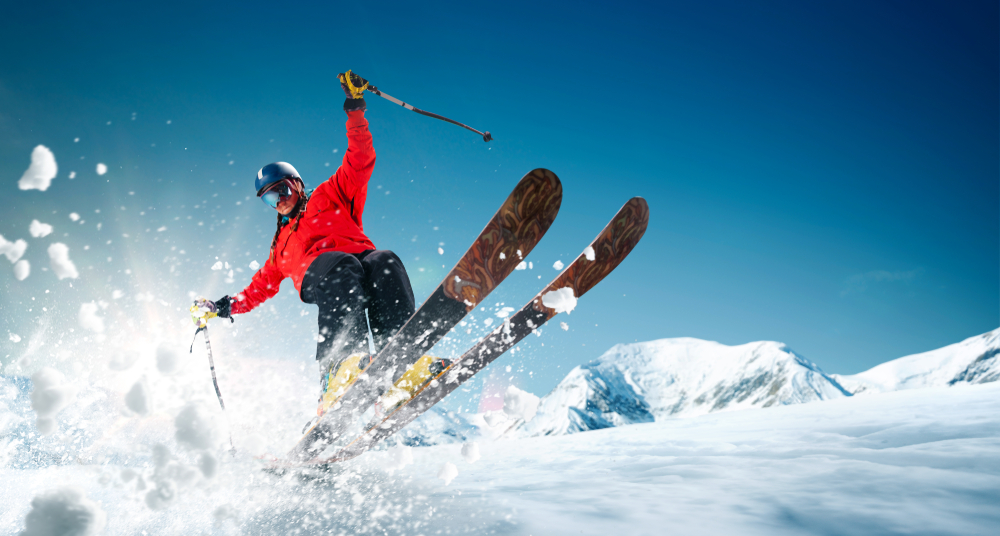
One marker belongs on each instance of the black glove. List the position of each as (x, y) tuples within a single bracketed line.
[(222, 307), (354, 87)]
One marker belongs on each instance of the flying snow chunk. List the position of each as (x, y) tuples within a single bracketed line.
[(470, 451), (521, 266), (15, 337), (440, 251), (448, 472), (13, 250), (399, 458), (558, 265), (39, 229), (74, 216), (59, 260), (89, 319), (166, 360), (64, 511), (194, 428), (21, 270), (72, 175), (42, 170), (254, 265), (101, 169), (208, 465), (504, 312), (589, 253), (49, 395), (137, 398), (520, 404), (217, 265), (564, 326), (562, 300)]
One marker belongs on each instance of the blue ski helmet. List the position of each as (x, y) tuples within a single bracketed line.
[(272, 173)]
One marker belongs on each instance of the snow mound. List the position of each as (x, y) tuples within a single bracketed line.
[(971, 361), (63, 512), (643, 382), (42, 170)]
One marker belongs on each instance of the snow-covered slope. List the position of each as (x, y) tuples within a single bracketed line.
[(642, 382), (973, 360)]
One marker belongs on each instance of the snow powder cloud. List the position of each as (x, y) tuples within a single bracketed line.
[(562, 300), (49, 395), (21, 270), (398, 458), (63, 511), (88, 318), (13, 250), (41, 171), (59, 259), (101, 169), (39, 229)]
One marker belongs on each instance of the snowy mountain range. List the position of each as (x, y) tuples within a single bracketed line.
[(971, 361), (683, 377), (654, 380)]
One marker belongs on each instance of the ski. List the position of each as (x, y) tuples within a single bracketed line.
[(603, 255), (509, 236)]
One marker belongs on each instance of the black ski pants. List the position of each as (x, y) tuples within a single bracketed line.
[(343, 285)]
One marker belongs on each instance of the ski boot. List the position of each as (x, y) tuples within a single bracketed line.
[(410, 383), (335, 384)]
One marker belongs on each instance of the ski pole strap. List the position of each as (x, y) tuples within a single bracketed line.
[(486, 135), (196, 332)]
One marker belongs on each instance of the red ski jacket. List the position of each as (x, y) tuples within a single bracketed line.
[(331, 221)]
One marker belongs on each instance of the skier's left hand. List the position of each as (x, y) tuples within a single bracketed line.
[(354, 87), (222, 307)]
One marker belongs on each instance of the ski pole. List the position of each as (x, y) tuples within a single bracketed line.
[(486, 135), (202, 322)]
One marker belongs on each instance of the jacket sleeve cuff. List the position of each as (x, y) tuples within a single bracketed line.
[(353, 105)]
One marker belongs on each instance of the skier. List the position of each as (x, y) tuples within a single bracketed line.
[(321, 245)]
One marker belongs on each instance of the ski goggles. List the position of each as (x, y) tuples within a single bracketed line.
[(277, 193)]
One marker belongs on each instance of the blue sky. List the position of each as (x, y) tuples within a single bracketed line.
[(822, 174)]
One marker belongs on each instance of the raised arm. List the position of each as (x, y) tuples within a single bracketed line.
[(359, 159)]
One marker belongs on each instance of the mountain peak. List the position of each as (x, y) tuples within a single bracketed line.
[(640, 382)]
